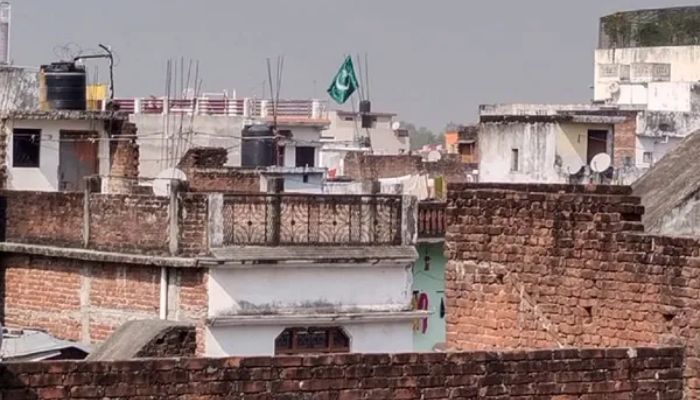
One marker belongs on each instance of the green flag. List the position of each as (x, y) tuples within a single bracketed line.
[(345, 82)]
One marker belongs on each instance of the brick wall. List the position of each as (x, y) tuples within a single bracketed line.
[(117, 222), (625, 142), (176, 341), (644, 373), (205, 170), (364, 167), (554, 265), (88, 300), (43, 217), (124, 160), (129, 223)]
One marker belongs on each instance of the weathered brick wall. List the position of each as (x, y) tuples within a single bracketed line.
[(43, 217), (368, 167), (228, 179), (176, 341), (555, 265), (644, 373), (126, 223), (129, 223), (88, 300), (625, 142), (124, 160)]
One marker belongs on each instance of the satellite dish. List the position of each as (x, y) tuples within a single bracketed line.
[(434, 155), (600, 162), (161, 185), (395, 126), (614, 87), (572, 166)]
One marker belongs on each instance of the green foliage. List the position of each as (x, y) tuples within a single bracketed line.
[(422, 136), (670, 27)]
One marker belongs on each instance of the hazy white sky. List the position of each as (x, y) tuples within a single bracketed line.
[(430, 61)]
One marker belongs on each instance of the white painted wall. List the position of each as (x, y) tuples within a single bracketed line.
[(209, 131), (374, 337), (684, 62), (670, 96), (306, 288), (45, 178), (384, 139), (301, 136), (658, 146), (536, 144)]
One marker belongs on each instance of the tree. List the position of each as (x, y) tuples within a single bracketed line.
[(422, 136)]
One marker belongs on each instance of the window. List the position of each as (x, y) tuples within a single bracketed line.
[(647, 157), (514, 162), (25, 148), (312, 340), (305, 156)]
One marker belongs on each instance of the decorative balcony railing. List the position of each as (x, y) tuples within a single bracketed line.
[(432, 219), (300, 219)]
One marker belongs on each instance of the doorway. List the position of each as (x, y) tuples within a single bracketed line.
[(597, 143), (77, 159)]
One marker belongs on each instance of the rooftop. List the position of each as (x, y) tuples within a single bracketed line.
[(58, 115)]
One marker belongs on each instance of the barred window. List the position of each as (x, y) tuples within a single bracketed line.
[(311, 340)]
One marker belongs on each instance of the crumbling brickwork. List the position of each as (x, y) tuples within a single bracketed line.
[(644, 373), (124, 160), (205, 170), (368, 167), (176, 341), (88, 300), (542, 266), (625, 143)]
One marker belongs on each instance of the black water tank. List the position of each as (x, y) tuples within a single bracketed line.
[(365, 106), (62, 86), (257, 146)]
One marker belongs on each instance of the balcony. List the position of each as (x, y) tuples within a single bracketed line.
[(303, 220), (432, 220)]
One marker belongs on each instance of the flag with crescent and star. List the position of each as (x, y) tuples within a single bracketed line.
[(345, 82)]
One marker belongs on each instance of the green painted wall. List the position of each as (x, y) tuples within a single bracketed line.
[(431, 282)]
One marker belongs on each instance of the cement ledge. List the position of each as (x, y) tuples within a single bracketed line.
[(95, 255), (317, 319)]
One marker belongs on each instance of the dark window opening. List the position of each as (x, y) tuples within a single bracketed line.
[(25, 148), (305, 156), (514, 162), (312, 340), (597, 143)]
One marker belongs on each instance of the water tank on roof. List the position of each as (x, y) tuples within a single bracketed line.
[(257, 146), (62, 86)]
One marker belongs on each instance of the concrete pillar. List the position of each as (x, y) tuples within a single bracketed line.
[(137, 105), (174, 217), (166, 105), (263, 108), (409, 220), (216, 220), (275, 186)]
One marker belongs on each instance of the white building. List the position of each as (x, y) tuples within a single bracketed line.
[(55, 150), (327, 287), (646, 97)]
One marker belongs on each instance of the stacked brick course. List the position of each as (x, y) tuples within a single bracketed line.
[(124, 160), (367, 167), (542, 266), (87, 301), (625, 142), (205, 170), (644, 373)]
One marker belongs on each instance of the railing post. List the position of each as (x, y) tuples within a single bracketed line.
[(246, 107), (275, 186), (315, 109), (86, 211), (137, 105), (263, 108), (166, 105)]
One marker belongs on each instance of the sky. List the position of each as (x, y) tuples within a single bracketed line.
[(432, 62)]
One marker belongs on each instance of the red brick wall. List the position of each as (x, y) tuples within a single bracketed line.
[(547, 266), (223, 180), (44, 217), (364, 167), (625, 142), (644, 373), (129, 222), (86, 300), (118, 222), (124, 160)]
